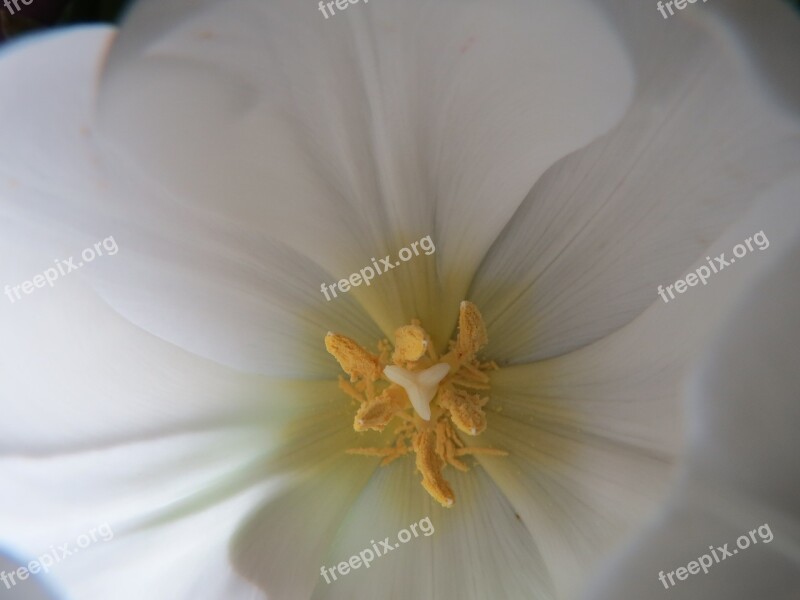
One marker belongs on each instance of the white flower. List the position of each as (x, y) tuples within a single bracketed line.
[(565, 156)]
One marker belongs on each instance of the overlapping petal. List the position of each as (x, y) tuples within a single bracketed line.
[(743, 404), (603, 227), (50, 502), (258, 310), (480, 550), (594, 435), (160, 491)]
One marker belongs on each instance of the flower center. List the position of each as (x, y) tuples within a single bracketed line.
[(433, 398)]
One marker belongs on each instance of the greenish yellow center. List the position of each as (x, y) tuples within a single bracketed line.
[(431, 398)]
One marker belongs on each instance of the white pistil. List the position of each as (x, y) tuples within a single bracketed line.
[(420, 386)]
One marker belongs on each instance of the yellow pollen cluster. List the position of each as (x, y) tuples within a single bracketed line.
[(452, 384)]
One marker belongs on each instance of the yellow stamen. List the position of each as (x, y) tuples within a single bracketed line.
[(428, 395), (472, 334), (430, 464), (410, 344), (376, 412), (354, 360), (466, 410)]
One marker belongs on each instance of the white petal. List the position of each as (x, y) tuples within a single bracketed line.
[(46, 139), (281, 546), (744, 410), (478, 549), (606, 225), (577, 494), (699, 522), (75, 374), (261, 311), (252, 305), (98, 495), (366, 131), (740, 478), (161, 492), (591, 434), (626, 386)]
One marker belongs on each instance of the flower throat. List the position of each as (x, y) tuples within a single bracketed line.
[(430, 398)]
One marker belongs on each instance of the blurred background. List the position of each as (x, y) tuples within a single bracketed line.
[(52, 13)]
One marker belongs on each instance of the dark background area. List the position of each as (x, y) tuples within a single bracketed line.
[(49, 13)]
